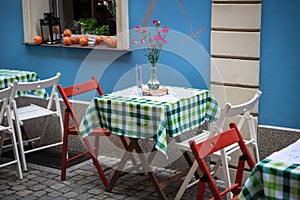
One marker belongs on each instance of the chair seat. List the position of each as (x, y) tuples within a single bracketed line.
[(33, 111), (185, 146)]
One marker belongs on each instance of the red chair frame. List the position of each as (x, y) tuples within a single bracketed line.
[(71, 91), (216, 143)]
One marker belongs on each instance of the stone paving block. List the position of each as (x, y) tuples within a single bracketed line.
[(71, 194), (37, 187), (19, 187), (54, 194), (84, 184), (39, 193), (24, 193), (7, 192)]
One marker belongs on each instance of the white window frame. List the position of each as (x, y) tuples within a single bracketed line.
[(33, 10)]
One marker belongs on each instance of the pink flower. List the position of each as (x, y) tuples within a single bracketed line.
[(158, 37), (134, 41), (153, 42), (155, 38), (156, 23), (165, 29), (143, 40), (137, 28)]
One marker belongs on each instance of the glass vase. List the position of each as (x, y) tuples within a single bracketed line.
[(153, 83)]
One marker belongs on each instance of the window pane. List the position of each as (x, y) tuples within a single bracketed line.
[(103, 11)]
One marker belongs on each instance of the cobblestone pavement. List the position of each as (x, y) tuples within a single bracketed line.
[(82, 183)]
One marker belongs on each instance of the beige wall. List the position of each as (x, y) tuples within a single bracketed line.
[(235, 53)]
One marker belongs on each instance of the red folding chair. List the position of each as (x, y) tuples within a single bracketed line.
[(216, 143), (66, 93)]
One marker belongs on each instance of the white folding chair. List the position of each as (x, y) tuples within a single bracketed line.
[(244, 110), (33, 111), (6, 127)]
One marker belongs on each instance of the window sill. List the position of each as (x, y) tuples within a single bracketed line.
[(78, 46)]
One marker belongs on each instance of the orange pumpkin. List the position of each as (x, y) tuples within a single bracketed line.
[(83, 41), (37, 39), (75, 40), (67, 32), (99, 40), (67, 41), (83, 36), (111, 42)]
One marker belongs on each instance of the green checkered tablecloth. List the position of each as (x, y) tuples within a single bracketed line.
[(271, 179), (8, 76), (146, 118)]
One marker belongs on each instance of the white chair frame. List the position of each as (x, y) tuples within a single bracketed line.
[(223, 156), (8, 128), (32, 111)]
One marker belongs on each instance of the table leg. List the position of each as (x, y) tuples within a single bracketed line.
[(149, 171), (133, 145), (187, 180), (121, 165), (191, 163)]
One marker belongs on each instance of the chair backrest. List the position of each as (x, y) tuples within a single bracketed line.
[(216, 143), (5, 95), (78, 89), (243, 109), (41, 84)]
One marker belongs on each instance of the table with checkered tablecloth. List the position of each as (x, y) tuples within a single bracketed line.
[(151, 117), (275, 177), (7, 76)]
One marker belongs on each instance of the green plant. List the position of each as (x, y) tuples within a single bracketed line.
[(91, 24), (88, 24), (103, 30)]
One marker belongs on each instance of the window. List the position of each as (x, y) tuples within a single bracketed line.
[(70, 11)]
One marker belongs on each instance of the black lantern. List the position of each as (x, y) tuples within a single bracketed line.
[(50, 28)]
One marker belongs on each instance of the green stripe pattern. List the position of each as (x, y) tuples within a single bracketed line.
[(149, 119), (7, 77), (272, 179)]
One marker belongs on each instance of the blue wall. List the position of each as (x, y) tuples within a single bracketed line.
[(78, 64), (280, 50), (280, 64)]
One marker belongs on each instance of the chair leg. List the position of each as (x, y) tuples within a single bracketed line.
[(96, 146), (201, 190), (25, 135), (226, 173), (256, 152), (215, 169), (20, 139), (253, 136), (59, 115), (64, 157), (43, 131), (95, 162), (2, 137), (16, 154)]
